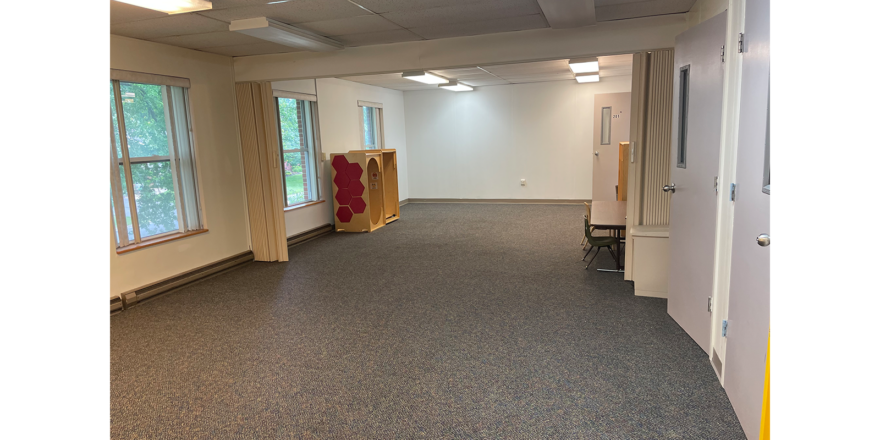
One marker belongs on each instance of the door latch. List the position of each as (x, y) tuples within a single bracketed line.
[(710, 305), (732, 192), (724, 328)]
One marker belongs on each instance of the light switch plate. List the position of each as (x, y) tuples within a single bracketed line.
[(522, 182)]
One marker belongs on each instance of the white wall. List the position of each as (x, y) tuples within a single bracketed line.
[(339, 118), (218, 161), (478, 145), (703, 10)]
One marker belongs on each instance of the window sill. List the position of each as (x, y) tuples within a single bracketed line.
[(160, 240), (303, 205)]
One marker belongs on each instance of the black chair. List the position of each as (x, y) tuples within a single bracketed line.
[(597, 242)]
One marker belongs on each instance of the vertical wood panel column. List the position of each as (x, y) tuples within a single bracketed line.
[(259, 144)]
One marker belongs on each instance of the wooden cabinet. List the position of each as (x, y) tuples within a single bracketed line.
[(391, 193)]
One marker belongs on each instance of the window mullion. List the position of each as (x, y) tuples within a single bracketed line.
[(172, 153), (115, 183), (123, 139)]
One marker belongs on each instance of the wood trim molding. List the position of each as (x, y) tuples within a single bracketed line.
[(303, 205), (504, 201), (155, 241)]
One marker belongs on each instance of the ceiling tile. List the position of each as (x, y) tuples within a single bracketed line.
[(541, 78), (384, 37), (622, 11), (466, 73), (210, 39), (615, 65), (485, 82), (178, 24), (505, 24), (476, 11), (382, 6), (124, 12), (352, 25), (519, 70), (298, 11), (241, 50)]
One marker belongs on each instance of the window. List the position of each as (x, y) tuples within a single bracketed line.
[(152, 169), (683, 94), (296, 122), (371, 125), (766, 187), (606, 126)]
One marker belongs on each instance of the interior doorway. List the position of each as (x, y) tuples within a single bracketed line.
[(611, 115)]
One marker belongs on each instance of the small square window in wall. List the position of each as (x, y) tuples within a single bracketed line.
[(153, 185)]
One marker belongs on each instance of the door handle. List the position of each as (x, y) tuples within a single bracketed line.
[(763, 240), (667, 188)]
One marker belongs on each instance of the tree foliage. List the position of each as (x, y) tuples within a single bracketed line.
[(146, 135)]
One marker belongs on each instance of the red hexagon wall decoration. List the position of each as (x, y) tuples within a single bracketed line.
[(340, 163), (344, 214), (356, 188), (343, 196), (341, 180), (354, 171), (358, 205)]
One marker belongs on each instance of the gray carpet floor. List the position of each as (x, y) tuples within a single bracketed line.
[(457, 321)]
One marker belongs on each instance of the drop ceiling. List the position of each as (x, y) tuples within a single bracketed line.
[(520, 73), (356, 22)]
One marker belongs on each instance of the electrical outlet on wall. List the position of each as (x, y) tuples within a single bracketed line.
[(522, 182)]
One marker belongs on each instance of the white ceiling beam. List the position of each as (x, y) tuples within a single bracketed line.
[(564, 14), (606, 38)]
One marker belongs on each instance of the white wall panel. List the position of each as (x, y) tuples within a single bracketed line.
[(478, 145)]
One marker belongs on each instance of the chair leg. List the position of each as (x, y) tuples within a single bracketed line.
[(594, 257), (588, 253), (584, 241), (613, 255)]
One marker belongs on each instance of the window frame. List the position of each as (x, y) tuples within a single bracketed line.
[(378, 124), (605, 131), (123, 243), (765, 188), (684, 93), (316, 181)]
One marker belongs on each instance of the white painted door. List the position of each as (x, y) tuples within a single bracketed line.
[(606, 141), (696, 143), (749, 298)]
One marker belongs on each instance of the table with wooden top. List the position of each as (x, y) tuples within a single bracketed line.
[(609, 215)]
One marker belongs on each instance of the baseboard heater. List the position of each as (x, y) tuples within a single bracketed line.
[(129, 299), (303, 237)]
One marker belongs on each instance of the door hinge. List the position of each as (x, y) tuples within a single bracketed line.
[(716, 185), (724, 328), (740, 43), (710, 304), (722, 53), (732, 192)]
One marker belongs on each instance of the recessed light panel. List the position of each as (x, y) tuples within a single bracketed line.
[(584, 65), (171, 6), (456, 86), (591, 78), (425, 77)]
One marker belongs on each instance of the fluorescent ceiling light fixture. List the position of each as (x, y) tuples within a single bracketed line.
[(584, 65), (171, 6), (456, 86), (425, 77), (278, 32), (592, 78)]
